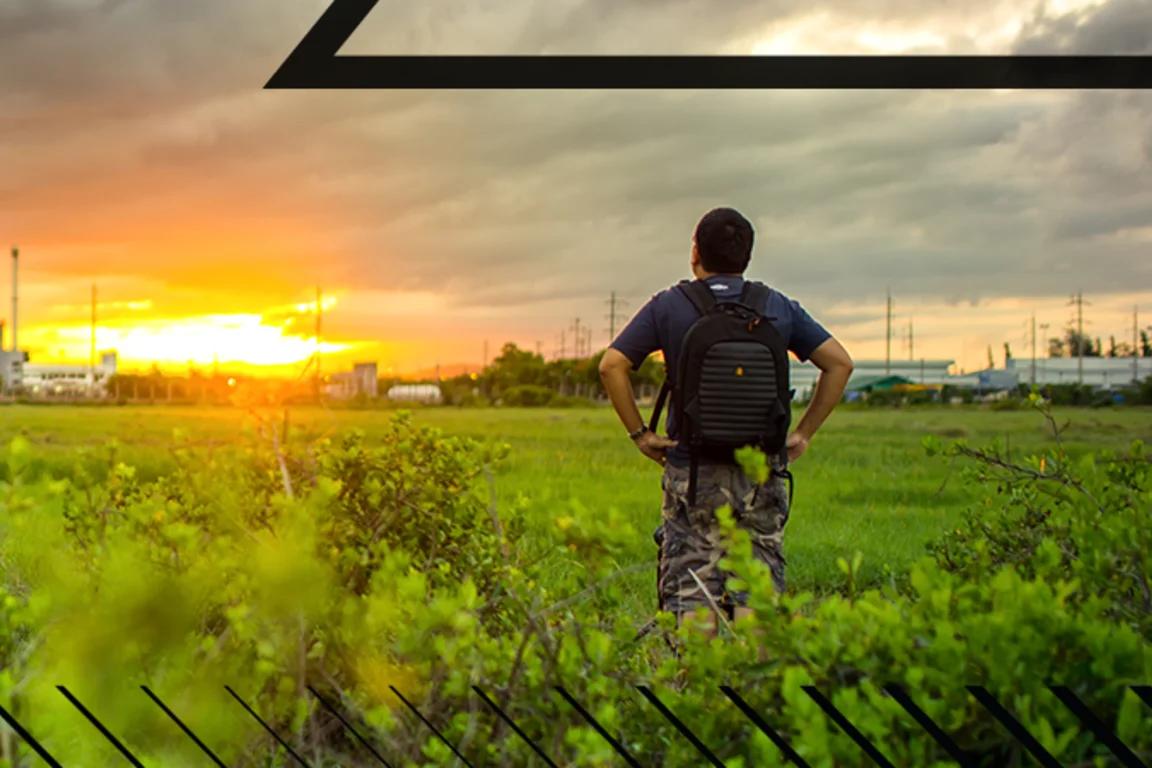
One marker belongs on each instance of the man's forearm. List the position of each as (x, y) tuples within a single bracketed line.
[(618, 385), (825, 397)]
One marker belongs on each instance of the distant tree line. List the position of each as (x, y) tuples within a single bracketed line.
[(1073, 344), (522, 377)]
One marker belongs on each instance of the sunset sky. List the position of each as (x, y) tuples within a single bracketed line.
[(139, 151)]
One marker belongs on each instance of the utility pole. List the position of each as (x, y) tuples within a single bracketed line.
[(13, 377), (1033, 348), (540, 349), (578, 338), (1044, 343), (92, 352), (910, 341), (588, 342), (1078, 302), (15, 323), (888, 338), (1080, 341), (563, 344), (1135, 345), (613, 316), (319, 312)]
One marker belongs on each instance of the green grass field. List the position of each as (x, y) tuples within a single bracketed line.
[(864, 486)]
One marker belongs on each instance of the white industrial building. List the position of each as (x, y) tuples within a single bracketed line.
[(1099, 372), (931, 373), (416, 393), (12, 363), (47, 379), (1102, 372), (20, 375)]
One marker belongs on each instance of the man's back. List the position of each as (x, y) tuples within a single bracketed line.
[(664, 321), (691, 548)]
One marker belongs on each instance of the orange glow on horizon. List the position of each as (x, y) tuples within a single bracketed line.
[(273, 339)]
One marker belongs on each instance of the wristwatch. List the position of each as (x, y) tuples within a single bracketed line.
[(634, 436)]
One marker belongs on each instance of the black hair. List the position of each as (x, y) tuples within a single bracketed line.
[(724, 240)]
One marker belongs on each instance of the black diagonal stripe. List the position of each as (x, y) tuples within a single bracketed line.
[(759, 722), (647, 692), (19, 729), (849, 729), (265, 726), (332, 709), (520, 733), (1102, 732), (186, 729), (599, 728), (100, 727), (941, 738), (1018, 732), (1144, 692), (431, 727)]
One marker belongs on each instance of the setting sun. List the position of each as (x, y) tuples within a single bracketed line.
[(275, 338)]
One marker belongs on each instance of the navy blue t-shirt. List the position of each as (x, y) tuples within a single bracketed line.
[(661, 324)]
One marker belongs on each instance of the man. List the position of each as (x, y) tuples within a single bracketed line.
[(721, 252)]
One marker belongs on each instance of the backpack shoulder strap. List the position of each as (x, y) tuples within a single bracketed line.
[(699, 293), (755, 296)]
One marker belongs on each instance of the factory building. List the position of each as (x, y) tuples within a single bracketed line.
[(930, 373), (1107, 373), (1102, 372), (46, 379), (12, 360), (361, 380), (20, 375)]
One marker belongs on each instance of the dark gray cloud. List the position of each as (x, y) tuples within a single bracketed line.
[(116, 114), (1114, 27)]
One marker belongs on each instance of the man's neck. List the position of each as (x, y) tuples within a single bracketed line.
[(710, 275)]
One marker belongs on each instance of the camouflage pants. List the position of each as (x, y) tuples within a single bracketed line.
[(692, 541)]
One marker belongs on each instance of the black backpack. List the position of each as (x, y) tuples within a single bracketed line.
[(732, 388), (732, 381)]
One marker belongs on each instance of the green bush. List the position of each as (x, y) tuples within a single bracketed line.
[(353, 569), (528, 396), (473, 400), (1097, 512)]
